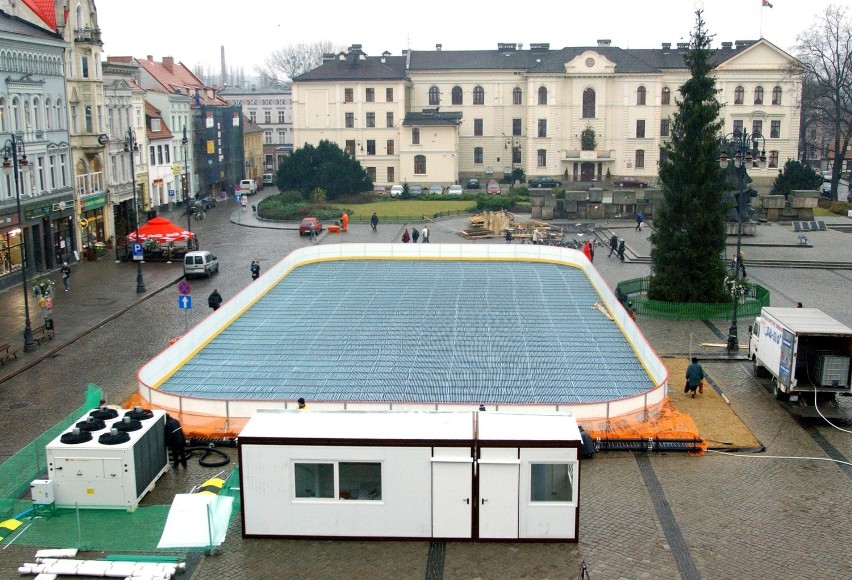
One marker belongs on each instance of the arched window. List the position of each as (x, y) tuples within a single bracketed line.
[(776, 96), (16, 115), (434, 96), (478, 95), (640, 96), (542, 95), (37, 113), (420, 165), (81, 24), (666, 96), (2, 115), (758, 95), (517, 96), (48, 114), (60, 114), (589, 104), (458, 97), (739, 95)]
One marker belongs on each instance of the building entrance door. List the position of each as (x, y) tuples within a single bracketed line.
[(498, 493), (587, 171), (452, 497)]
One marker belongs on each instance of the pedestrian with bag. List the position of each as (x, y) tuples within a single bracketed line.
[(66, 276), (425, 235), (414, 235), (255, 269), (694, 378), (640, 219), (613, 245), (214, 301), (621, 249)]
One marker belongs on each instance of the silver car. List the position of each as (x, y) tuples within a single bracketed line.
[(436, 189)]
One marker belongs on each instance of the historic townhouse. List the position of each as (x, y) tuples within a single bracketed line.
[(34, 127), (580, 114), (271, 109), (160, 141)]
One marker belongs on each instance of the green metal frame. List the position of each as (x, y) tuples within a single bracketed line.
[(636, 289)]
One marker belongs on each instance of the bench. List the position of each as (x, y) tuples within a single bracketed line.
[(6, 353), (40, 334)]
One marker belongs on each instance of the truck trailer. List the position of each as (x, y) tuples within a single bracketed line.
[(806, 352)]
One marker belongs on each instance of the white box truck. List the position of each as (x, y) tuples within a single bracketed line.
[(806, 352)]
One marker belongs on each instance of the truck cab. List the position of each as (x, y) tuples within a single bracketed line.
[(248, 187)]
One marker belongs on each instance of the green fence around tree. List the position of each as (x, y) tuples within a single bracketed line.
[(636, 290)]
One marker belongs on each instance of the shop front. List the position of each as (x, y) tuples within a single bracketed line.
[(92, 225)]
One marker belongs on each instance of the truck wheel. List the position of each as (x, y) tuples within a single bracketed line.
[(777, 392)]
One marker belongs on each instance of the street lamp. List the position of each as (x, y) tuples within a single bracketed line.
[(131, 146), (19, 163), (745, 149), (186, 196)]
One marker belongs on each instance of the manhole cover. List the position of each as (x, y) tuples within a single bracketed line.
[(16, 406)]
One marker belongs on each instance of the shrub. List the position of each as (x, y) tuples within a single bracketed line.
[(494, 202), (839, 207), (520, 190)]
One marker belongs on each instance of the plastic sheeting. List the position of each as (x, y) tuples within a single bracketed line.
[(197, 521)]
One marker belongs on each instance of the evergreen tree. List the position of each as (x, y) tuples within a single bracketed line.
[(689, 228), (795, 176), (325, 166)]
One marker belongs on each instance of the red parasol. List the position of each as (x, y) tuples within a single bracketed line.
[(161, 230)]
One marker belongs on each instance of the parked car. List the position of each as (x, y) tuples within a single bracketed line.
[(201, 203), (379, 190), (305, 226), (455, 190), (415, 189), (268, 179), (436, 189), (629, 182), (395, 190), (201, 263), (473, 184), (493, 187), (544, 182), (248, 187)]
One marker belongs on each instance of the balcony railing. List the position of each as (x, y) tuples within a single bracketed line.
[(88, 35)]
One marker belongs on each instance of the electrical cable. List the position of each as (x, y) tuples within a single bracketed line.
[(722, 452), (208, 450)]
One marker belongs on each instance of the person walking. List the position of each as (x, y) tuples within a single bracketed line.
[(509, 236), (255, 269), (741, 263), (621, 249), (425, 234), (244, 201), (592, 250), (176, 441), (613, 245), (214, 301), (312, 231), (374, 221), (694, 378), (344, 221), (414, 235), (631, 310), (640, 218), (587, 251), (66, 276), (405, 237)]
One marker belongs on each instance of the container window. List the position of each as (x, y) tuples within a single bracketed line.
[(551, 482), (314, 480)]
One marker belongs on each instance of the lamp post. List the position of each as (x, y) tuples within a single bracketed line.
[(131, 146), (745, 149), (186, 195), (14, 148)]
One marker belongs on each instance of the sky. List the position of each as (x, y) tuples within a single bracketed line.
[(193, 32)]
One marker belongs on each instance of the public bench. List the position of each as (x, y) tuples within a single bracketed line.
[(40, 334), (6, 353)]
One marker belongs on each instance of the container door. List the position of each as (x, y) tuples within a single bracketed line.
[(452, 487), (498, 494)]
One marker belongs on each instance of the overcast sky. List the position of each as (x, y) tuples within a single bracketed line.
[(193, 32)]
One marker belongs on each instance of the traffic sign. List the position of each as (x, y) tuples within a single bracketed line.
[(184, 288), (138, 252), (185, 302), (84, 223)]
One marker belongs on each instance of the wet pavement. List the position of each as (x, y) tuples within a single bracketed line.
[(666, 515)]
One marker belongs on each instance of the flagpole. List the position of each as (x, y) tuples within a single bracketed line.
[(761, 19)]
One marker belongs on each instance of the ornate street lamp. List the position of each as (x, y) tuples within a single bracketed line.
[(19, 163), (745, 149), (131, 146), (186, 195)]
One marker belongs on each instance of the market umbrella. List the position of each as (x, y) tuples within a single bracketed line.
[(161, 230)]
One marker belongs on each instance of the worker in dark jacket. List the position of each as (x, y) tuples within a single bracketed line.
[(176, 441), (214, 301)]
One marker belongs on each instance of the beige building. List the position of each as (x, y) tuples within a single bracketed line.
[(253, 150), (528, 109)]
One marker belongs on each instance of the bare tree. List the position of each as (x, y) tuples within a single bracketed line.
[(825, 51), (291, 61)]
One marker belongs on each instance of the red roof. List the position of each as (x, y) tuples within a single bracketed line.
[(153, 112), (174, 77), (45, 10)]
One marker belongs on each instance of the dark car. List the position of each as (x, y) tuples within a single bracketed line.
[(473, 184), (305, 226), (629, 182), (201, 203), (544, 182)]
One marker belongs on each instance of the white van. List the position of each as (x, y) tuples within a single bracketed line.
[(201, 263), (268, 179), (248, 187)]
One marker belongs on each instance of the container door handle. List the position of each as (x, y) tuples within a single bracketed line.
[(466, 500), (483, 501)]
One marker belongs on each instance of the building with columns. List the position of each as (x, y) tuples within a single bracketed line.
[(529, 108)]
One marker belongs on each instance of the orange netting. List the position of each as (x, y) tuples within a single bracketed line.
[(195, 425)]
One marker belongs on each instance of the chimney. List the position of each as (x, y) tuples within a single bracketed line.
[(667, 46), (224, 79), (169, 63), (727, 45), (438, 46), (604, 42), (385, 56), (682, 45), (150, 58)]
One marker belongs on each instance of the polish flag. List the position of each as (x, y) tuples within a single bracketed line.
[(766, 3)]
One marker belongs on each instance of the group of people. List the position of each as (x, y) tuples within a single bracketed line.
[(616, 246), (415, 235)]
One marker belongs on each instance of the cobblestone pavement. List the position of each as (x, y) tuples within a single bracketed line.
[(667, 515)]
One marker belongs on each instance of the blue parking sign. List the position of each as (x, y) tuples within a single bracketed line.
[(138, 252)]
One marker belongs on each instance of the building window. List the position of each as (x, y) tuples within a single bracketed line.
[(640, 158), (253, 116), (282, 136), (51, 160), (542, 127), (640, 96), (551, 482), (542, 95), (155, 125), (420, 165), (516, 154), (773, 159), (776, 96), (371, 146), (389, 95), (739, 95), (371, 173), (477, 155), (390, 147), (640, 128), (370, 97), (159, 154), (664, 127), (517, 96), (84, 65), (281, 118), (88, 111), (415, 136), (589, 104), (757, 127), (664, 155), (457, 96), (350, 120), (477, 127), (389, 119), (350, 147), (371, 119), (267, 117), (542, 157), (267, 137), (758, 95), (434, 95), (391, 175), (666, 96), (153, 152), (478, 95), (63, 173), (738, 126), (775, 129), (348, 95), (168, 156), (314, 480), (516, 127)]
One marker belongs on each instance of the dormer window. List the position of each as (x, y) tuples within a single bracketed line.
[(155, 125)]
